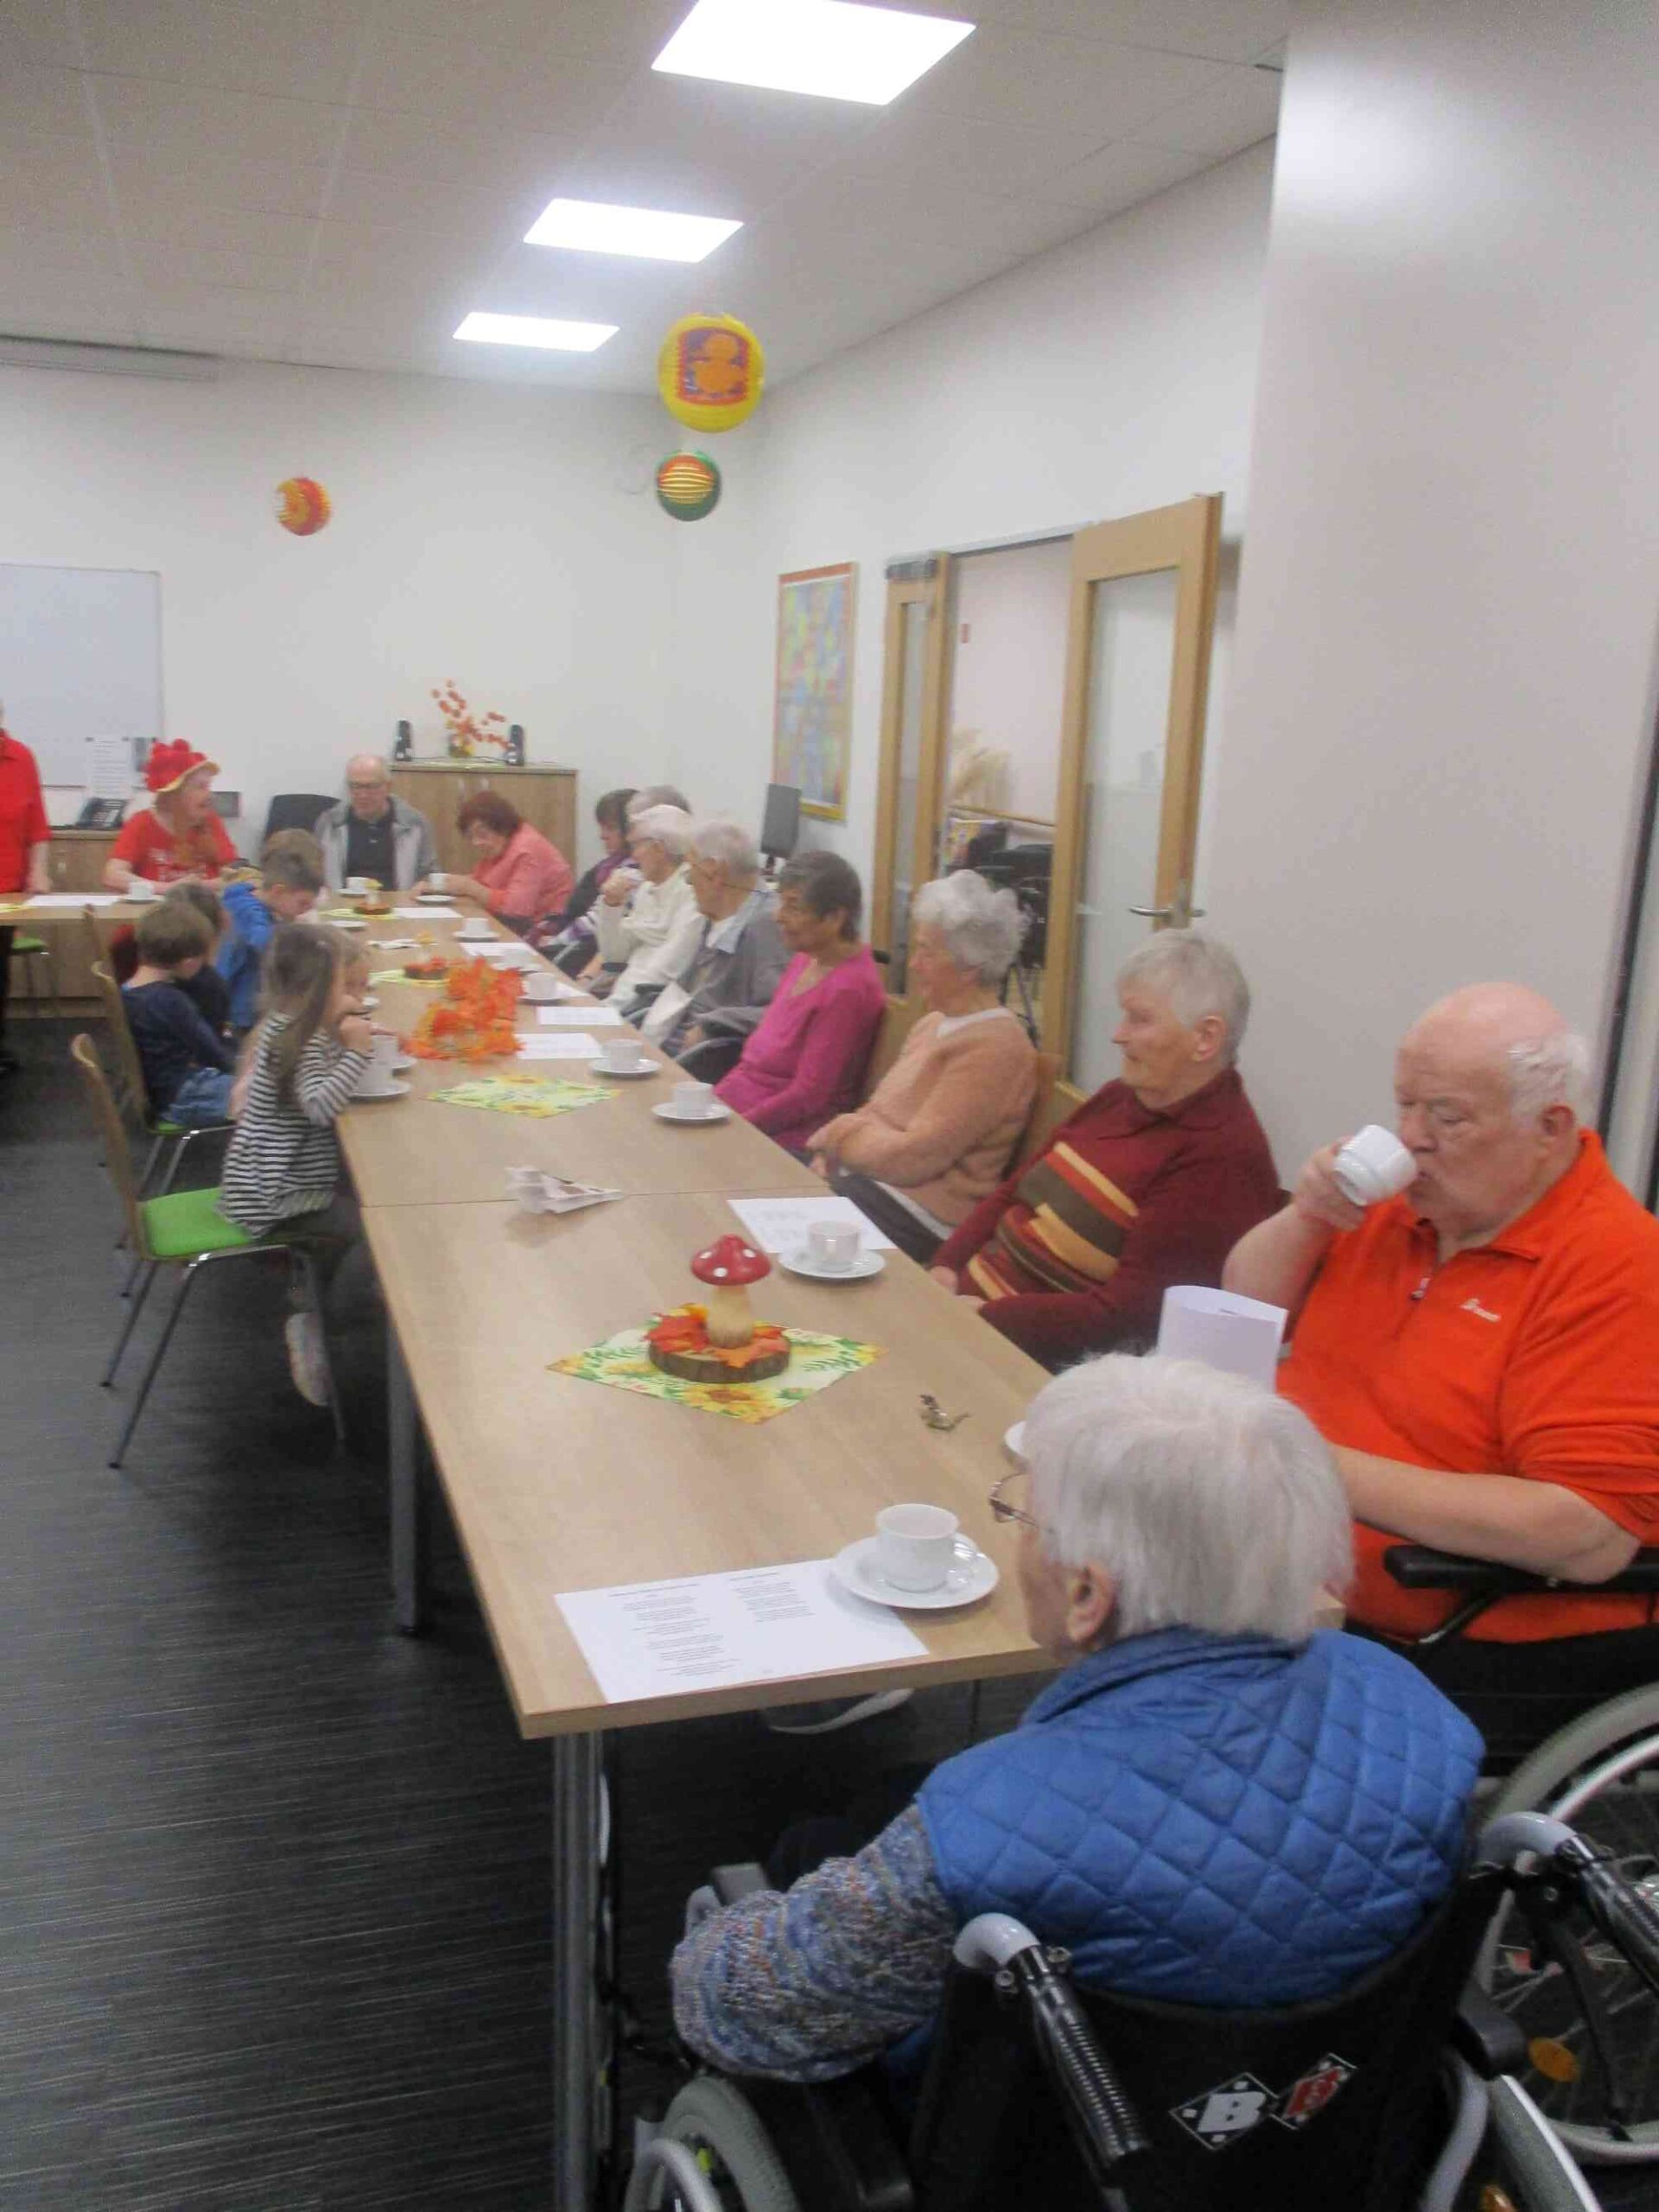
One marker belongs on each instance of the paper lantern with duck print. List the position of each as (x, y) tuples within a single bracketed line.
[(301, 505), (710, 371)]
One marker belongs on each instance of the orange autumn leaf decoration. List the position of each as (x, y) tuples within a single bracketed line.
[(473, 1019), (686, 1330)]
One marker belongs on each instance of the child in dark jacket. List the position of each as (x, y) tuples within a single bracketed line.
[(187, 1066)]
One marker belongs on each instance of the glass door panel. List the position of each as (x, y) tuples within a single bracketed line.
[(907, 794)]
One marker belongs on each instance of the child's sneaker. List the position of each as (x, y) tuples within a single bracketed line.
[(306, 1360)]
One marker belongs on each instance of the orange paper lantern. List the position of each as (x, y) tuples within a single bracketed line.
[(301, 505)]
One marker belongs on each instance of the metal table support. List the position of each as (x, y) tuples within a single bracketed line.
[(577, 2054), (406, 1501)]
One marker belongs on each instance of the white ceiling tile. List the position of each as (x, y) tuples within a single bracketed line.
[(42, 179), (154, 193), (41, 31), (461, 82), (1224, 30), (347, 253), (931, 152), (299, 49), (283, 240), (31, 256), (1064, 83), (433, 204), (1223, 120), (1120, 174), (45, 100), (182, 122), (383, 144), (98, 320), (218, 320)]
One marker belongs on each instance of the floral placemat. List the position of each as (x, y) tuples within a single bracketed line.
[(518, 1094), (623, 1362), (402, 976)]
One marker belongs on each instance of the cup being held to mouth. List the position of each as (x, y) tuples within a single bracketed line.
[(1374, 1164)]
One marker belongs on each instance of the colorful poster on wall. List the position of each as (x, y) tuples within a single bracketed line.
[(812, 723)]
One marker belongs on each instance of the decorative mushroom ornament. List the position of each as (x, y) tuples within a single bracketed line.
[(729, 1266)]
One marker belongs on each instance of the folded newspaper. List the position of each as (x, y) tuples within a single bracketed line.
[(533, 1190)]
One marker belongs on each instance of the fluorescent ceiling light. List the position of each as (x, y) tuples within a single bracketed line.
[(591, 227), (831, 47), (536, 330)]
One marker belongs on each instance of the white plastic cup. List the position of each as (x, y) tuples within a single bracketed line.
[(693, 1097), (622, 1055), (833, 1245), (1374, 1164), (914, 1545)]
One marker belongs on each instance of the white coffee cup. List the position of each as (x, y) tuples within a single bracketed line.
[(622, 1054), (833, 1245), (437, 880), (141, 888), (914, 1545), (383, 1051), (1373, 1164), (693, 1097), (359, 883), (540, 985), (476, 926)]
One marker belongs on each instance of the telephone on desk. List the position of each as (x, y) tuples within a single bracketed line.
[(101, 814)]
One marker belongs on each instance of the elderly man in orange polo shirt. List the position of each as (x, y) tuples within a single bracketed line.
[(1483, 1349)]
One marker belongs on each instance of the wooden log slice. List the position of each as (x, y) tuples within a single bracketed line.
[(704, 1367)]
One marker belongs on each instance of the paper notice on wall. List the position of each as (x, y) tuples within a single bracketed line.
[(109, 772), (1239, 1335), (712, 1631)]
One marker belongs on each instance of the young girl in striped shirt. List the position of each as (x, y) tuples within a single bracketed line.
[(307, 1058)]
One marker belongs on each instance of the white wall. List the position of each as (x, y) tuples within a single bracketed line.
[(1444, 669), (1112, 373), (507, 538)]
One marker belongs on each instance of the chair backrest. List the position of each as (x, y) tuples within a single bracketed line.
[(899, 1018), (91, 941), (112, 1136), (1054, 1105), (297, 811), (131, 1095), (1296, 2108)]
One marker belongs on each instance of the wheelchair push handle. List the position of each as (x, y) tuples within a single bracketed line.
[(1623, 1916), (1536, 1847)]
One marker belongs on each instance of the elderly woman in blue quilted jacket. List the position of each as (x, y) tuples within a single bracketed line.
[(1213, 1804)]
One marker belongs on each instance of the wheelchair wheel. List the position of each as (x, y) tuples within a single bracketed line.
[(1601, 1775), (1527, 2161), (713, 2125)]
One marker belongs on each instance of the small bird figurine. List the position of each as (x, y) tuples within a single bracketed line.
[(936, 1417)]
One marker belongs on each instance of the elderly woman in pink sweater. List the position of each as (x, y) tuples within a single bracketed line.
[(935, 1136)]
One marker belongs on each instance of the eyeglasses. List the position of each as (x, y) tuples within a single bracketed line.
[(1004, 1508)]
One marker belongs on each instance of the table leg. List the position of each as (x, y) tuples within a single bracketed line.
[(577, 1761), (405, 1502)]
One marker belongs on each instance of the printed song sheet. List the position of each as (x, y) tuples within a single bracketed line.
[(780, 1224), (713, 1632), (1239, 1335)]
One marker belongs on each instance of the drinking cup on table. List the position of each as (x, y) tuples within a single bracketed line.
[(541, 985), (693, 1097), (383, 1051), (833, 1245), (1373, 1164), (438, 880), (141, 888), (914, 1545), (474, 926), (622, 1054), (359, 883)]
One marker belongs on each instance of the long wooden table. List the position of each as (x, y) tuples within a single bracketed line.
[(555, 1483)]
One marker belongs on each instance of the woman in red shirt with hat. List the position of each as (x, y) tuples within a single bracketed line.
[(179, 836)]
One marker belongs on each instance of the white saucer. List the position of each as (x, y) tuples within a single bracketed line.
[(435, 898), (801, 1262), (348, 926), (1013, 1440), (392, 1091), (626, 1075), (973, 1576), (477, 937), (668, 1111), (369, 1001), (402, 1064)]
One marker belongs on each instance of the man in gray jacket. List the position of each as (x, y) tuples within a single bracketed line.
[(372, 834), (729, 983)]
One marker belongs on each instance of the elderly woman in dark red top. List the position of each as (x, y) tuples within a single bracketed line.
[(519, 874), (1149, 1184)]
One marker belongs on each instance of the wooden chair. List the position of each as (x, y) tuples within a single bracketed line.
[(899, 1018), (1054, 1102), (92, 938), (131, 1095), (184, 1230), (28, 949)]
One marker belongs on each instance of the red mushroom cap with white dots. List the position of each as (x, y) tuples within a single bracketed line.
[(729, 1261)]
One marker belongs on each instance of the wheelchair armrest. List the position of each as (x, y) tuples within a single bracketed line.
[(858, 2147), (1419, 1566), (1486, 2035), (731, 1883)]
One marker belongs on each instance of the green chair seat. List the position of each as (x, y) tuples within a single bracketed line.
[(24, 947), (188, 1222)]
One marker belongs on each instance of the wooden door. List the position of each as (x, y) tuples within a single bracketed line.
[(909, 796)]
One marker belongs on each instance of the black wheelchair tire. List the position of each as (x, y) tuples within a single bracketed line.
[(713, 2113), (1559, 1777)]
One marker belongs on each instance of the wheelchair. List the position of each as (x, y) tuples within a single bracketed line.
[(1398, 2093), (1590, 2024)]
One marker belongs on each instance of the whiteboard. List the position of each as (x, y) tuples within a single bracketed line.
[(80, 656)]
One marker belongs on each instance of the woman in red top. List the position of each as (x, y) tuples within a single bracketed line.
[(179, 838), (24, 838), (519, 874)]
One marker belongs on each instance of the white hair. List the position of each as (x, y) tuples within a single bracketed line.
[(728, 845), (1552, 1071), (668, 826), (657, 795), (981, 927), (374, 760), (1196, 975), (1211, 1502)]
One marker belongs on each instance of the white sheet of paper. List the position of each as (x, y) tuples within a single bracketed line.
[(1240, 1335), (780, 1224), (109, 767), (711, 1631), (562, 1044), (76, 899), (578, 1017), (427, 913)]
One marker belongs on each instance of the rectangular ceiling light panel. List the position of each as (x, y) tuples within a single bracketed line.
[(536, 330), (590, 227), (829, 47)]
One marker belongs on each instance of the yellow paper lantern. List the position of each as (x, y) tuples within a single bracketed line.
[(301, 505), (710, 371)]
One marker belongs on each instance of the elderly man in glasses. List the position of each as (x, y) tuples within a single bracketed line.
[(373, 833), (1185, 1808)]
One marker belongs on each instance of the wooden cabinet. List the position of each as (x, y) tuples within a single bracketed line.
[(77, 864), (546, 797)]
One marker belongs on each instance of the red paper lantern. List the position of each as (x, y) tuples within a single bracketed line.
[(301, 505)]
